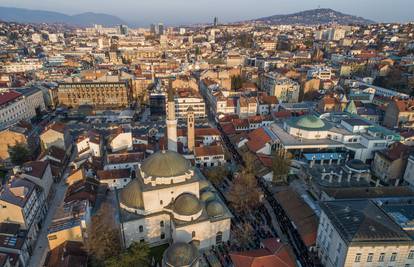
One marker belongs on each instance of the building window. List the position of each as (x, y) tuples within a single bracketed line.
[(162, 236), (161, 202), (193, 234), (358, 257), (411, 254), (381, 257), (393, 256), (219, 237), (162, 223), (141, 228), (370, 256)]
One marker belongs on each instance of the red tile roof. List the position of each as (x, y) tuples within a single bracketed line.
[(208, 151), (8, 96), (274, 254)]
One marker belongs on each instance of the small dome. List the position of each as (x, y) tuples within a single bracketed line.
[(215, 209), (187, 204), (207, 196), (165, 164), (131, 195), (357, 164), (204, 184), (310, 121), (181, 254)]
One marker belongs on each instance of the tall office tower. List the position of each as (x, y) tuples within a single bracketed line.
[(215, 21), (123, 29), (160, 28), (153, 29)]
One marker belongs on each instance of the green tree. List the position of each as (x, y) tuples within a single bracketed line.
[(244, 193), (136, 255), (19, 154), (280, 168), (103, 240)]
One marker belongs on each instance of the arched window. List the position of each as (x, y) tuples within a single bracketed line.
[(141, 228), (193, 234), (219, 237), (162, 236), (162, 223)]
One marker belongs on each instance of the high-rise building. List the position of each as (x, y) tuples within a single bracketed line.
[(153, 29), (123, 29), (160, 28), (215, 21)]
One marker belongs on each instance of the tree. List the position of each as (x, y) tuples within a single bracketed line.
[(103, 240), (244, 193), (280, 168), (19, 154), (249, 162), (136, 255), (245, 235), (216, 175)]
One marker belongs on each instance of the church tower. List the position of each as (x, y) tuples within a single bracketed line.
[(190, 129), (171, 121)]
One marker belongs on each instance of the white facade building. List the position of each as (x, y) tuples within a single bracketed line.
[(359, 233), (170, 201)]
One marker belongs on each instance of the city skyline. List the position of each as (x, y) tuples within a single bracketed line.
[(180, 12)]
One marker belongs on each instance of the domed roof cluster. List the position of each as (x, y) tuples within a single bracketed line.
[(165, 164), (187, 204), (131, 195), (181, 254), (215, 209)]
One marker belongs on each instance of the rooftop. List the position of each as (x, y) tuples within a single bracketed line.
[(363, 221)]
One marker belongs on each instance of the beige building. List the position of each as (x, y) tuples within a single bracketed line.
[(56, 134), (9, 138), (389, 164), (23, 202), (96, 94), (399, 114), (359, 233), (285, 89)]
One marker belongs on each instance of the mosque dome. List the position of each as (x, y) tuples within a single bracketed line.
[(310, 122), (187, 204), (181, 254), (131, 195), (215, 209), (207, 196), (165, 164)]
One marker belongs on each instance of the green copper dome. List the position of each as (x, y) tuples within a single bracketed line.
[(187, 204), (215, 209), (165, 164), (310, 121), (207, 196), (131, 195), (181, 254)]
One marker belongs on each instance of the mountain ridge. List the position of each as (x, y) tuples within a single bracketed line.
[(23, 15), (314, 17)]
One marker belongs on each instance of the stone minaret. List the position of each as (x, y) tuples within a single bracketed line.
[(171, 121), (190, 129)]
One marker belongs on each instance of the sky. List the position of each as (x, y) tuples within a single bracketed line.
[(176, 12)]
